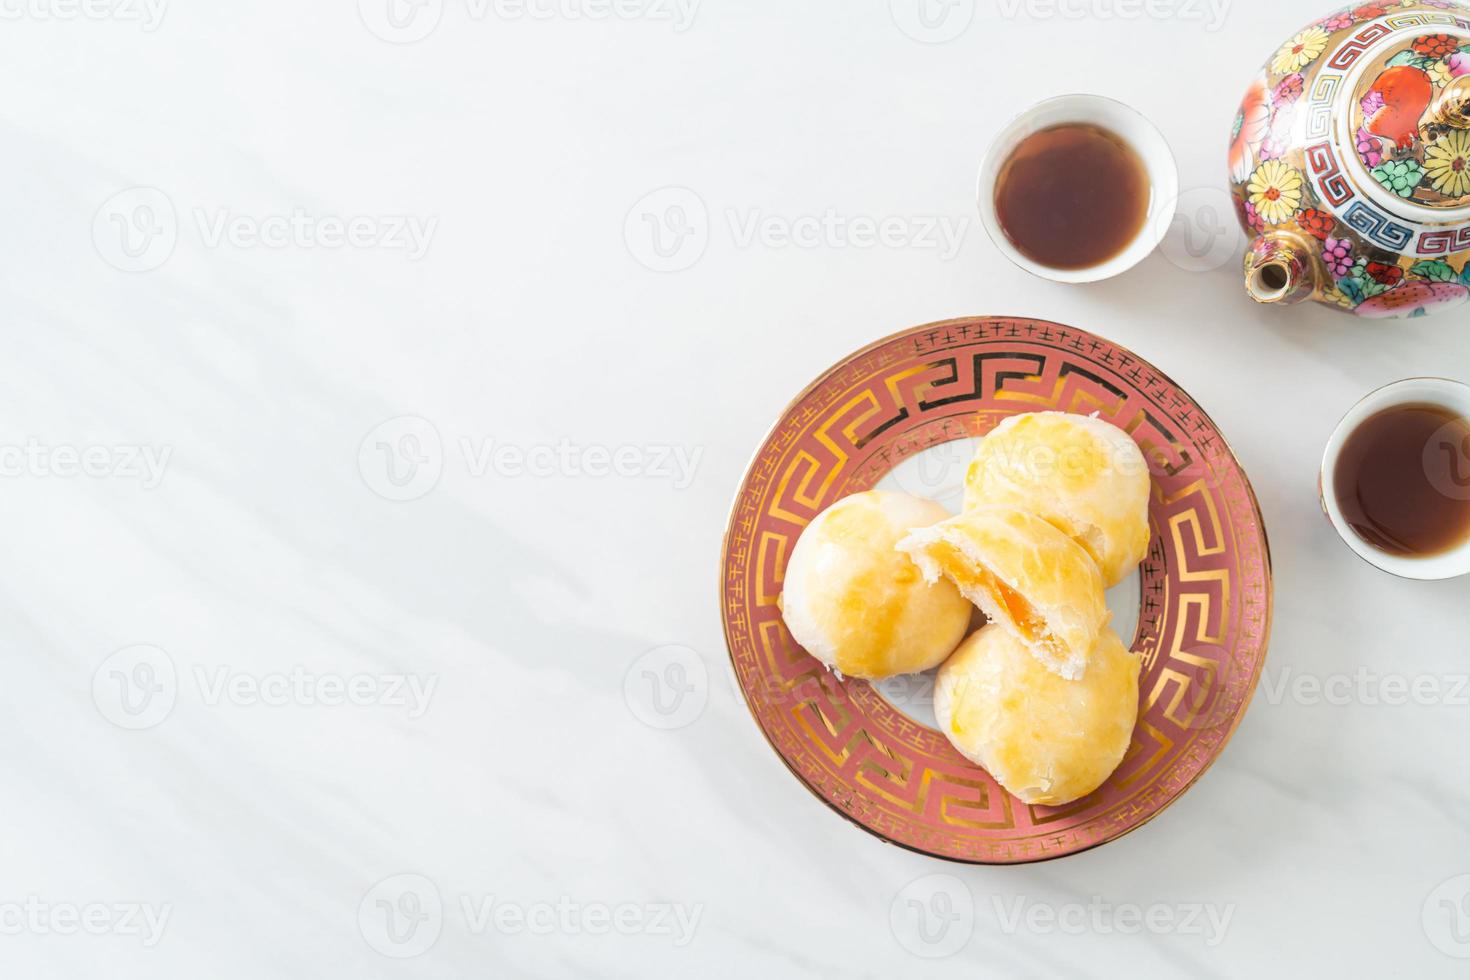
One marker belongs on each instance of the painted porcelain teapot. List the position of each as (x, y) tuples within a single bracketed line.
[(1350, 163)]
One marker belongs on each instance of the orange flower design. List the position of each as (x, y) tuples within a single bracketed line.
[(1251, 127), (1436, 46)]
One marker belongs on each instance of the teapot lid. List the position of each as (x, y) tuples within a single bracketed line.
[(1409, 117), (1371, 99)]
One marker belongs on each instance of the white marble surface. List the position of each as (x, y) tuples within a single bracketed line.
[(257, 807)]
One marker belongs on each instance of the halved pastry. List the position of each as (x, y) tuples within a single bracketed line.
[(1086, 476), (1025, 575), (859, 605), (1048, 741)]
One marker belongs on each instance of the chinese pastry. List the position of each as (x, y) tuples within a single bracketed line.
[(1081, 474), (861, 606), (1047, 740), (1027, 576)]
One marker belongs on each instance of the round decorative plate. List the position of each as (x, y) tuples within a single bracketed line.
[(1203, 595)]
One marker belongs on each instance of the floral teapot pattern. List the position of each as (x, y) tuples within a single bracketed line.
[(1350, 163)]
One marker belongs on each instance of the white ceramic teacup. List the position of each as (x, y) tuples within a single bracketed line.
[(1450, 476), (1125, 122)]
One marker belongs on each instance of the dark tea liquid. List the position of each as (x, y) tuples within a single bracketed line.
[(1072, 197), (1403, 480)]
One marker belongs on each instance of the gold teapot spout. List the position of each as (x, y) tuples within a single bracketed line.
[(1279, 269)]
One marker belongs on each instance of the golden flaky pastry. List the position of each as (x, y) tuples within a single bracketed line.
[(1025, 575), (1082, 474), (861, 606), (1048, 741)]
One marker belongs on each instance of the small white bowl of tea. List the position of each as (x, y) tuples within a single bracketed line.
[(1396, 479), (1078, 189)]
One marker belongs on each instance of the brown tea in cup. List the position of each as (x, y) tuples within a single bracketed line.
[(1073, 196), (1402, 480)]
